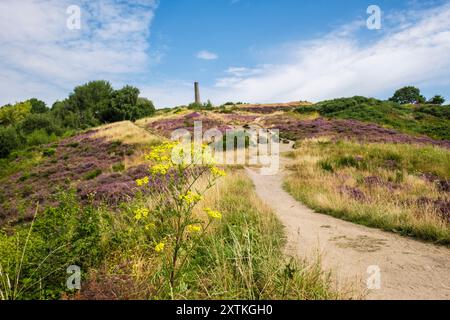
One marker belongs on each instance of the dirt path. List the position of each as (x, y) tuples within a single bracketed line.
[(409, 269)]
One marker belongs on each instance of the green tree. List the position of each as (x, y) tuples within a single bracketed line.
[(407, 95), (122, 105), (93, 95), (12, 114), (437, 100), (38, 106), (87, 102), (40, 122), (9, 140), (144, 108)]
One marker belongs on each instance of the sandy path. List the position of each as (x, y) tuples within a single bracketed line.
[(409, 269)]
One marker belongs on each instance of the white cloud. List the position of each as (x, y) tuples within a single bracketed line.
[(207, 55), (337, 65), (40, 56), (170, 93)]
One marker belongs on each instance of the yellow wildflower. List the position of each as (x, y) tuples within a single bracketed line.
[(160, 169), (141, 182), (218, 172), (194, 228), (160, 153), (160, 247), (141, 213), (213, 214), (191, 197)]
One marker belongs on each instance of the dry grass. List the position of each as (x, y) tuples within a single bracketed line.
[(375, 185), (126, 132), (166, 116)]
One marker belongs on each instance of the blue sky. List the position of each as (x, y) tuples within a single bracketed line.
[(239, 50)]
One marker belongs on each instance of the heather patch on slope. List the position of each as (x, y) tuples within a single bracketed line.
[(271, 107), (165, 126), (295, 129), (97, 168), (429, 120)]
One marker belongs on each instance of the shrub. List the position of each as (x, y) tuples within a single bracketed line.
[(48, 152), (9, 140), (326, 165), (39, 137), (437, 100), (118, 167), (12, 114), (35, 122), (201, 106), (92, 174), (73, 145), (428, 119), (144, 108), (38, 106)]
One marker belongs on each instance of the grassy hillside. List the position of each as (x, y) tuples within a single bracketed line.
[(429, 120), (92, 213), (395, 187)]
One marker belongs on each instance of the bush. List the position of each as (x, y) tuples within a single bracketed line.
[(144, 108), (40, 122), (39, 137), (12, 114), (9, 140), (201, 106), (48, 152), (92, 174), (437, 100), (118, 167)]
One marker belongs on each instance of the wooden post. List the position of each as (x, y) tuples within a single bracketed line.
[(197, 93)]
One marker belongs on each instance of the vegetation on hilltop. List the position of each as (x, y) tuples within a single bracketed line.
[(423, 119)]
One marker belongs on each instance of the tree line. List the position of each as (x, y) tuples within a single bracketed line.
[(412, 95), (31, 122)]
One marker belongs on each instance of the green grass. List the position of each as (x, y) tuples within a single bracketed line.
[(34, 257), (246, 253), (20, 161), (92, 174), (430, 120), (334, 178)]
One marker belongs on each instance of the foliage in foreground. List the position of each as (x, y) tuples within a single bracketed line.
[(34, 258), (399, 188), (239, 257)]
